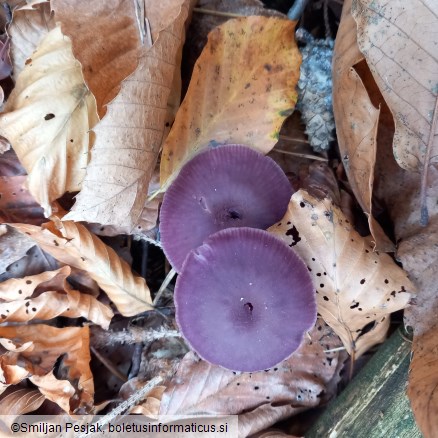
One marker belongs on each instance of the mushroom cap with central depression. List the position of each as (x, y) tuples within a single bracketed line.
[(228, 186), (244, 300)]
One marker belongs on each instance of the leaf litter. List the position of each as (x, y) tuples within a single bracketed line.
[(129, 78)]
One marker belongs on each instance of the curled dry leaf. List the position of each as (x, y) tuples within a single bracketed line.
[(74, 245), (357, 120), (399, 44), (46, 296), (27, 29), (241, 90), (32, 350), (16, 203), (262, 398), (108, 49), (357, 289), (129, 137), (47, 119)]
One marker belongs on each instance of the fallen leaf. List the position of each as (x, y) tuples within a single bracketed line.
[(262, 398), (9, 163), (204, 22), (57, 391), (399, 45), (357, 121), (16, 203), (242, 89), (108, 49), (47, 120), (71, 243), (151, 406), (115, 187), (34, 262), (423, 381), (356, 289), (21, 401), (46, 296), (13, 246), (32, 350), (27, 29)]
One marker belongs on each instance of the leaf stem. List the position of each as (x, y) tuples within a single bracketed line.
[(424, 219), (217, 13)]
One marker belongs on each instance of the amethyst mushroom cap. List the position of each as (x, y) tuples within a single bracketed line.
[(228, 186), (244, 300)]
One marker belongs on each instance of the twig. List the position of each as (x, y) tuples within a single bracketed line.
[(297, 154), (424, 220), (163, 286), (133, 336), (136, 360), (297, 9), (217, 13), (293, 139), (132, 401), (109, 365), (332, 350)]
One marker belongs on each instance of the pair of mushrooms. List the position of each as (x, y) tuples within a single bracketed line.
[(243, 298)]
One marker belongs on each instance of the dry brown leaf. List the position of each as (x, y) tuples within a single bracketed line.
[(47, 120), (32, 350), (13, 246), (423, 381), (21, 401), (105, 39), (151, 406), (74, 245), (357, 120), (242, 89), (129, 137), (399, 44), (46, 296), (34, 262), (262, 398), (355, 286), (16, 203), (27, 29), (60, 392)]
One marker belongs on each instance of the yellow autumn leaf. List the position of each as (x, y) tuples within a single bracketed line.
[(55, 297), (48, 118), (356, 289), (71, 243), (241, 90)]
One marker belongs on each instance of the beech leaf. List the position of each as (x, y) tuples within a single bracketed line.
[(32, 350), (261, 398), (46, 296), (47, 120), (13, 246), (357, 121), (21, 401), (400, 48), (129, 137), (108, 49), (71, 243), (27, 29), (355, 287), (241, 90)]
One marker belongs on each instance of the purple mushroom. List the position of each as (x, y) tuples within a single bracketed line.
[(244, 300), (228, 186)]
